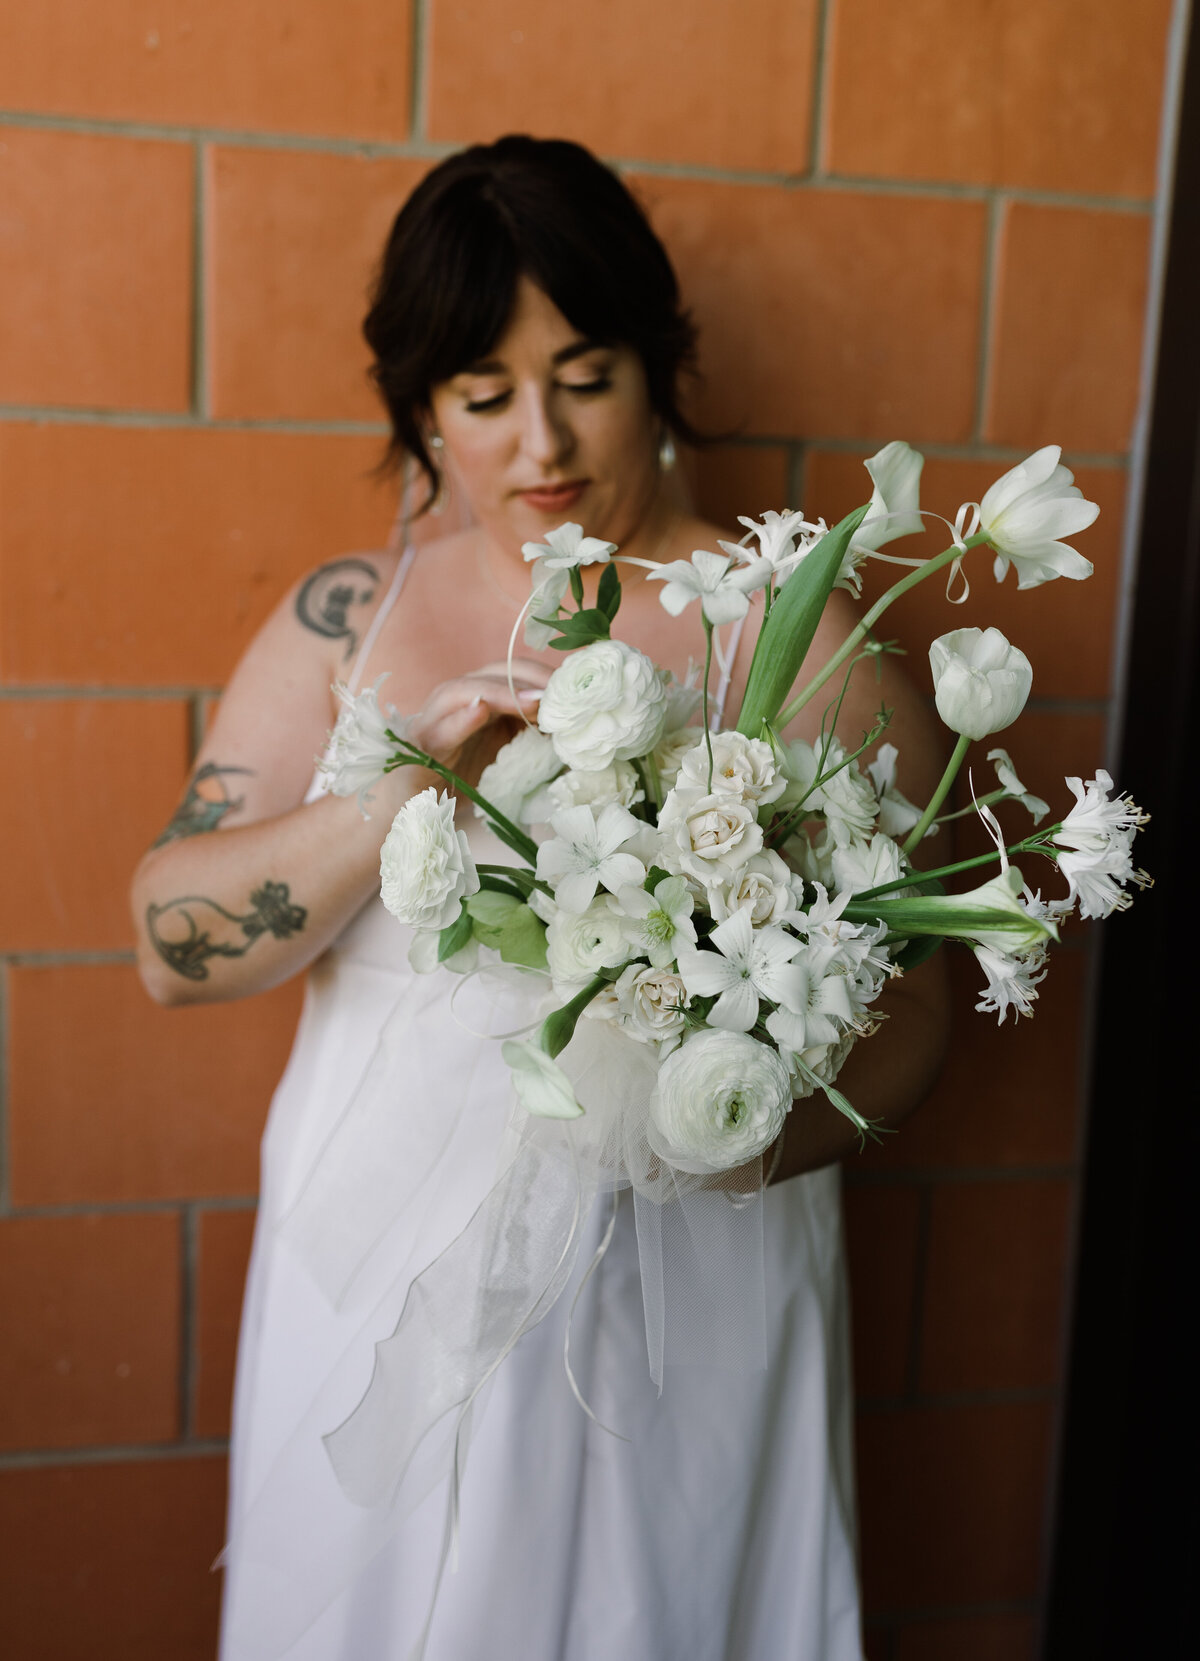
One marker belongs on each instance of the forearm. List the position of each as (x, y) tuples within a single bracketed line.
[(235, 911)]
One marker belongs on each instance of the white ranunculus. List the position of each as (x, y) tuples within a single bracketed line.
[(706, 837), (359, 749), (614, 786), (425, 864), (1025, 513), (543, 1089), (581, 943), (896, 479), (761, 887), (744, 767), (566, 548), (980, 682), (650, 1004), (669, 753), (513, 781), (606, 703), (721, 1100)]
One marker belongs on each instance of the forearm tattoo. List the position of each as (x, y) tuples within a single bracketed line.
[(328, 600), (206, 803), (188, 931)]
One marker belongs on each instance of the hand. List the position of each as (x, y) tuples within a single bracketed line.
[(458, 711)]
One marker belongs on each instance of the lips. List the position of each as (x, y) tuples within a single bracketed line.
[(554, 498)]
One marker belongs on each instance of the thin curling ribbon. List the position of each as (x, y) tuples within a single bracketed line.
[(966, 523)]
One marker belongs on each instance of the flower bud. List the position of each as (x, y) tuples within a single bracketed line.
[(980, 682)]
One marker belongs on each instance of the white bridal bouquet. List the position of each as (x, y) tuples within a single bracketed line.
[(733, 901)]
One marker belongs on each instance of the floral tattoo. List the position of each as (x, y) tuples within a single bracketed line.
[(199, 928), (205, 804)]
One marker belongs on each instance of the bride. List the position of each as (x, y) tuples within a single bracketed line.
[(528, 342)]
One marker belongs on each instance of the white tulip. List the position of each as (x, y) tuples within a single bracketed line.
[(980, 682), (1027, 510), (896, 476)]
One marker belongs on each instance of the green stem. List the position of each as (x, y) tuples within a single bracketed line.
[(870, 618), (1036, 844), (708, 646), (939, 795), (525, 845)]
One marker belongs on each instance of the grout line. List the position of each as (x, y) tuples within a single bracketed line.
[(797, 474), (56, 960), (5, 1052), (196, 725), (140, 1208), (199, 377), (418, 71), (912, 1365), (992, 244), (87, 689), (57, 414), (188, 1318), (429, 150), (822, 52), (905, 1613), (136, 1453)]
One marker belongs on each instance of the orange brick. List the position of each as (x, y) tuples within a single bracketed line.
[(952, 1501), (994, 1283), (1008, 1095), (1064, 96), (1070, 315), (143, 1103), (982, 1638), (112, 1560), (1064, 628), (169, 547), (95, 268), (97, 782), (279, 65), (732, 479), (91, 1322), (684, 80), (294, 243), (881, 1238), (828, 313), (224, 1253)]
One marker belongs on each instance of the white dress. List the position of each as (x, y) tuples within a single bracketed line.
[(720, 1529)]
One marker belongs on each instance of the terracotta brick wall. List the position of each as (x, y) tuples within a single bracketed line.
[(927, 220)]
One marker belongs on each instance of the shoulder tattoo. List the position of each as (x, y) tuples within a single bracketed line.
[(329, 600)]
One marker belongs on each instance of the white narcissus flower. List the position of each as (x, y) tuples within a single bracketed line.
[(741, 766), (581, 943), (359, 748), (980, 682), (896, 479), (1026, 512), (512, 782), (897, 815), (616, 783), (1012, 980), (761, 888), (706, 837), (566, 548), (783, 541), (585, 852), (748, 964), (1098, 836), (722, 586), (721, 1100), (659, 924), (543, 1089), (650, 1005), (425, 865), (1014, 789), (606, 703)]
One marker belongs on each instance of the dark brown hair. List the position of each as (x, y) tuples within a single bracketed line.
[(541, 208)]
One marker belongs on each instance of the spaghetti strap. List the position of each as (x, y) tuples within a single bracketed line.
[(403, 564)]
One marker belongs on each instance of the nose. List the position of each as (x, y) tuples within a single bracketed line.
[(546, 436)]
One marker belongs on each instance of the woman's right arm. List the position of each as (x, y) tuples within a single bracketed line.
[(247, 886)]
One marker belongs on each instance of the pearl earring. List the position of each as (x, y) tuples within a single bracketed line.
[(436, 444), (666, 452)]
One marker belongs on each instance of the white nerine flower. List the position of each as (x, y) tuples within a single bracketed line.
[(721, 1100), (617, 783), (649, 1006), (748, 964), (513, 781), (566, 547), (783, 541), (584, 853), (543, 1089), (1098, 836), (606, 703), (722, 586), (1025, 513), (761, 888), (549, 586), (743, 767), (425, 864), (897, 815), (658, 925), (896, 479), (1012, 980), (581, 943), (1014, 789), (980, 682), (706, 837), (359, 748)]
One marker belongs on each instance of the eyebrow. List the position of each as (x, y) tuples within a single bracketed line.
[(577, 349)]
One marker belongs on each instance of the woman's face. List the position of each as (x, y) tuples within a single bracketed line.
[(551, 427)]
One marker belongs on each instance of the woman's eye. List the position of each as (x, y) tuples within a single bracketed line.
[(481, 406), (601, 383)]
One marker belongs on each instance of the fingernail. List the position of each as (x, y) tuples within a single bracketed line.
[(529, 695), (475, 704)]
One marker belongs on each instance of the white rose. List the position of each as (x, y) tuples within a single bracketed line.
[(607, 703), (425, 865), (650, 1003), (615, 784), (859, 866), (742, 766), (518, 773), (580, 944), (670, 752), (707, 838), (721, 1099), (762, 887)]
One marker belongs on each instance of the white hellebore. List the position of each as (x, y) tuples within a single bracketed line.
[(748, 964), (425, 864), (606, 703), (722, 586), (721, 1099), (543, 1089), (585, 853), (359, 748), (1098, 836), (1026, 512), (661, 924), (893, 511), (566, 548), (980, 682)]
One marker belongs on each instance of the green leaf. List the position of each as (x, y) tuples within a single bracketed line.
[(788, 632), (654, 876), (455, 937), (523, 940), (491, 909), (917, 951), (608, 594)]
